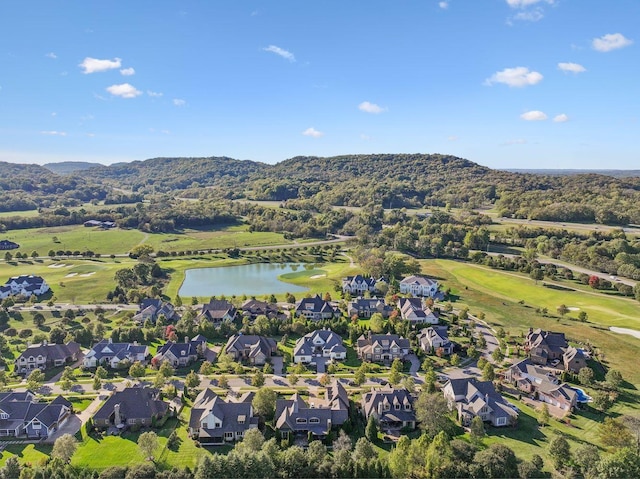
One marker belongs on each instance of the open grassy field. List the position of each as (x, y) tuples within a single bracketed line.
[(499, 294), (120, 241)]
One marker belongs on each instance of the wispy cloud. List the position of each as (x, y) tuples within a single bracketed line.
[(179, 102), (610, 41), (51, 55), (534, 15), (312, 132), (452, 138), (561, 118), (127, 72), (54, 133), (94, 65), (571, 67), (527, 3), (443, 5), (124, 90), (515, 77), (154, 94), (281, 52), (534, 115), (369, 107)]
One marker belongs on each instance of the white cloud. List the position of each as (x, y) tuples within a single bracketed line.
[(515, 77), (561, 118), (280, 51), (312, 132), (127, 72), (534, 15), (165, 132), (54, 113), (364, 137), (51, 55), (154, 94), (534, 115), (124, 90), (571, 67), (54, 133), (610, 41), (179, 102), (90, 135), (368, 107), (93, 65), (443, 5), (527, 3), (452, 138)]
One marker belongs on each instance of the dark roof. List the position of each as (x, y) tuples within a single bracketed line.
[(182, 349), (52, 351), (254, 343), (315, 304), (230, 413), (216, 309), (105, 348), (134, 403)]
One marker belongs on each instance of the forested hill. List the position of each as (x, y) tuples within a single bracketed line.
[(560, 172), (169, 174), (69, 167), (27, 187)]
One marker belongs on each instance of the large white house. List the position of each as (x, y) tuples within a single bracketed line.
[(322, 342), (25, 285), (419, 286)]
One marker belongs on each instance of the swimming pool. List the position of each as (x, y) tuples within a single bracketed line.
[(582, 396)]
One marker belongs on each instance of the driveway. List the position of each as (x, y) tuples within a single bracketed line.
[(75, 421), (277, 363), (415, 364)]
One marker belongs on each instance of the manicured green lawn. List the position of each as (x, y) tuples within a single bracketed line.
[(28, 453), (490, 294)]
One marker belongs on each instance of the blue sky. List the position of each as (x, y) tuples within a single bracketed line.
[(504, 83)]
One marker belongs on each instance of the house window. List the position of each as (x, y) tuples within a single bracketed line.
[(241, 419), (218, 424), (377, 356), (314, 420), (397, 407), (228, 435), (501, 421), (395, 350), (378, 350), (407, 407), (131, 421), (4, 415), (36, 424), (301, 420)]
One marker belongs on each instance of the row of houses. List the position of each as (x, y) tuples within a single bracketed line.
[(413, 285), (24, 285)]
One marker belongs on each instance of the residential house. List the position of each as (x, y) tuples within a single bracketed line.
[(573, 359), (358, 284), (108, 353), (254, 308), (392, 408), (27, 285), (180, 355), (382, 348), (217, 311), (251, 349), (6, 244), (44, 356), (316, 308), (365, 307), (419, 286), (544, 346), (320, 343), (131, 406), (549, 346), (472, 398), (294, 416), (152, 308), (435, 340), (414, 311), (22, 415), (541, 384), (99, 224), (214, 421), (5, 291)]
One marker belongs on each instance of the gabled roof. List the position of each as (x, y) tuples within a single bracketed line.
[(572, 353), (232, 414), (315, 304), (134, 403), (217, 309), (385, 341), (184, 349), (332, 341), (255, 344), (418, 280), (476, 394), (389, 397), (434, 333), (52, 352), (104, 348)]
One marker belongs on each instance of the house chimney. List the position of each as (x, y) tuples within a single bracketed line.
[(186, 339), (44, 342), (110, 340), (117, 420), (380, 408)]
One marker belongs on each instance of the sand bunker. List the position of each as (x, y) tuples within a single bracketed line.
[(71, 275), (630, 332), (317, 276), (573, 308), (88, 274), (57, 265)]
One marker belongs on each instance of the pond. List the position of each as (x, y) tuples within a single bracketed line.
[(250, 279)]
